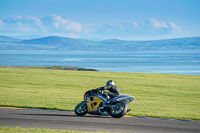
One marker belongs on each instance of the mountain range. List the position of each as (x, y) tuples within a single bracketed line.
[(56, 43)]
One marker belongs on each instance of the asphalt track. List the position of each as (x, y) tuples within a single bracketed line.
[(36, 118)]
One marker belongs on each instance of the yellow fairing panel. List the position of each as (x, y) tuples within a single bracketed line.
[(93, 103)]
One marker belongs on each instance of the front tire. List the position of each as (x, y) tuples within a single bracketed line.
[(81, 109), (119, 110)]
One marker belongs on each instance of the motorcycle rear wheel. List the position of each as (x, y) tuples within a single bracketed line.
[(81, 109), (119, 110)]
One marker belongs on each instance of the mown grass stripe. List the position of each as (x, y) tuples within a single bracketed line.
[(156, 95)]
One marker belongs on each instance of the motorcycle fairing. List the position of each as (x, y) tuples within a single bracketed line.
[(93, 103), (123, 98)]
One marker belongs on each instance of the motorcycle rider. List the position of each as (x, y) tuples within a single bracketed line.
[(113, 90)]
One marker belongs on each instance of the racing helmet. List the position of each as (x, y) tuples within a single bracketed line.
[(110, 82)]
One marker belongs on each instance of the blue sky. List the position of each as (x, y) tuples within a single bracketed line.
[(100, 19)]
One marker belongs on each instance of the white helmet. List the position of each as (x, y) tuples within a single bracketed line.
[(110, 82)]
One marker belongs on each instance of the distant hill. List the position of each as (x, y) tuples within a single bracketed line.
[(55, 43), (8, 39)]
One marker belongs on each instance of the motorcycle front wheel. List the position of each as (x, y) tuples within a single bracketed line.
[(119, 110), (81, 109)]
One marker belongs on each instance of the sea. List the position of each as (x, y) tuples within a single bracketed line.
[(185, 63)]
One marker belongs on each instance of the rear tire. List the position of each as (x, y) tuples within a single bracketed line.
[(119, 110), (81, 109)]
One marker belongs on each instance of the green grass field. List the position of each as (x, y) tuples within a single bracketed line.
[(39, 130), (156, 95)]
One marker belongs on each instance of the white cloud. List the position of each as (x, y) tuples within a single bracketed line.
[(128, 25), (57, 20), (19, 24), (1, 23), (149, 26), (65, 24), (122, 26), (152, 22), (166, 27), (36, 21), (174, 27), (44, 24), (17, 18), (28, 21), (56, 25), (48, 25), (22, 27), (134, 24)]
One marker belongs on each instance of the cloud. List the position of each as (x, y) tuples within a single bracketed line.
[(1, 23), (149, 27), (34, 20), (56, 25), (174, 27), (28, 21), (123, 26), (127, 25), (64, 24), (155, 23), (48, 23), (21, 24)]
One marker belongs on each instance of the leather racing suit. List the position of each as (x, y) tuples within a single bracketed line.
[(113, 91)]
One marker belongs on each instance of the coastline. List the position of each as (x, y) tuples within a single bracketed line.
[(52, 67)]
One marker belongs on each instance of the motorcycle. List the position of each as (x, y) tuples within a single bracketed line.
[(95, 103)]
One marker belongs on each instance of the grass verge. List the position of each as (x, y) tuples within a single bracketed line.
[(39, 130), (156, 95)]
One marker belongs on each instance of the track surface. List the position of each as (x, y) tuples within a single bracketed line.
[(36, 118)]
